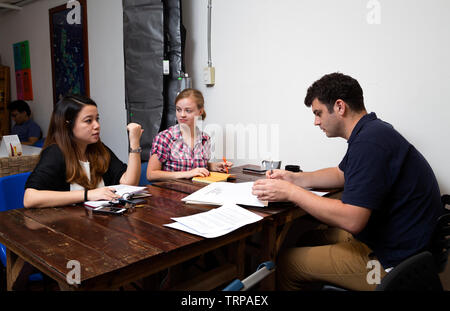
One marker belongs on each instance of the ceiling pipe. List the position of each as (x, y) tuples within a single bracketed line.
[(10, 6)]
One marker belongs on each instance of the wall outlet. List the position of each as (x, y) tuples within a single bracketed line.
[(209, 75)]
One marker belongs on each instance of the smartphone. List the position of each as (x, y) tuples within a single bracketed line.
[(254, 170), (138, 201), (110, 210)]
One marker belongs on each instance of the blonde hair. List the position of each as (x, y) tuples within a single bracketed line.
[(198, 97)]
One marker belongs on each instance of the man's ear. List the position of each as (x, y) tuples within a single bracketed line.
[(340, 107)]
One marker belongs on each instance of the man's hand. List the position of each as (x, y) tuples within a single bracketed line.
[(280, 174), (274, 190)]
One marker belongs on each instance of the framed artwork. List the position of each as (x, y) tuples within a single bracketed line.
[(69, 49)]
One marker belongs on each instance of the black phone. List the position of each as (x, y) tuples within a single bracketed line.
[(138, 201), (110, 210), (254, 170)]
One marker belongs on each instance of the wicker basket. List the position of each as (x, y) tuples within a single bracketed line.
[(17, 165)]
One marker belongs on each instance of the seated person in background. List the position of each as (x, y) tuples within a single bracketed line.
[(74, 165), (183, 151), (27, 130), (389, 206)]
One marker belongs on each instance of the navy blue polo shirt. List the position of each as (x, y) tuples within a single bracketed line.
[(386, 174)]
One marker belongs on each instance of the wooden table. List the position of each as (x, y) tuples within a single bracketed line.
[(116, 250)]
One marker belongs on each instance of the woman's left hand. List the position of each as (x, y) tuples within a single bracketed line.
[(134, 133)]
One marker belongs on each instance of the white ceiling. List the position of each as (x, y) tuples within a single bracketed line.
[(13, 5)]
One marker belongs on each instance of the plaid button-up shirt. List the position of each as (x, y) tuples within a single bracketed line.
[(175, 155)]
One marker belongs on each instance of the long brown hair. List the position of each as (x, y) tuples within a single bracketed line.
[(60, 132), (196, 95)]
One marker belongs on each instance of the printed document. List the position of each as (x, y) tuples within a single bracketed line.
[(219, 193), (216, 222)]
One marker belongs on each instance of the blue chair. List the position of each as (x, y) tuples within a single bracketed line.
[(143, 180), (12, 189), (39, 143)]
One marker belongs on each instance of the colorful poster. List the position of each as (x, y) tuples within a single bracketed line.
[(22, 66)]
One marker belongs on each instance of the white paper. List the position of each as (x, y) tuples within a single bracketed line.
[(125, 191), (219, 193), (215, 222)]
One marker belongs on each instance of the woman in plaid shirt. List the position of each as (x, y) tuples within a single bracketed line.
[(183, 151)]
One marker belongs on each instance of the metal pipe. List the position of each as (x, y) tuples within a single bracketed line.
[(10, 6), (209, 33)]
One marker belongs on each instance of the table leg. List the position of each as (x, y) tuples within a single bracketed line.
[(14, 265)]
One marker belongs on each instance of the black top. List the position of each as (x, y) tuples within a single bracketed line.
[(386, 174), (50, 172)]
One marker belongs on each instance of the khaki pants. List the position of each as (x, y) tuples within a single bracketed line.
[(333, 257)]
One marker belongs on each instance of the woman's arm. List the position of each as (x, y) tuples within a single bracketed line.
[(133, 172), (154, 171), (46, 198)]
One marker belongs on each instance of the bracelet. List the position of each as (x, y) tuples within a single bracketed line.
[(137, 150), (85, 195)]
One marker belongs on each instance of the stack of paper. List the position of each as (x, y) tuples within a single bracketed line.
[(124, 191), (216, 222), (219, 193)]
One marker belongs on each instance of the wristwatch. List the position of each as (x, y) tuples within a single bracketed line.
[(137, 150)]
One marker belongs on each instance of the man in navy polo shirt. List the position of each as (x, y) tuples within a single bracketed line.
[(390, 200)]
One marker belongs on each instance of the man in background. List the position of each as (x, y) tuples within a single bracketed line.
[(28, 131)]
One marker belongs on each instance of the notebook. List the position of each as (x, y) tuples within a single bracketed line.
[(213, 177)]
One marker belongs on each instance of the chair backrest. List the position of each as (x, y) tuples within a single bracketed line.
[(40, 142), (415, 273), (143, 179), (12, 188), (440, 243)]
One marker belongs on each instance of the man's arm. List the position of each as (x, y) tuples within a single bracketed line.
[(30, 141), (327, 178), (333, 212)]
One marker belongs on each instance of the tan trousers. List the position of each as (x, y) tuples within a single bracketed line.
[(334, 257)]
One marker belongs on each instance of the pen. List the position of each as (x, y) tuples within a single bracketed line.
[(225, 163)]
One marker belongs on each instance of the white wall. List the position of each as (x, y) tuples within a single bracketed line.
[(267, 52), (106, 72)]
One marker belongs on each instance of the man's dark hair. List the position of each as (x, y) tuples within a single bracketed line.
[(334, 86), (20, 106)]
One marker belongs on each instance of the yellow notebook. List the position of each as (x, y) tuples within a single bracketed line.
[(213, 177)]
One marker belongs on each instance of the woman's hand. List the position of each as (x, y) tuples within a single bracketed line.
[(220, 166), (198, 171), (104, 193), (134, 134)]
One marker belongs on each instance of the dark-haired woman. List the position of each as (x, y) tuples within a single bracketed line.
[(74, 165)]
